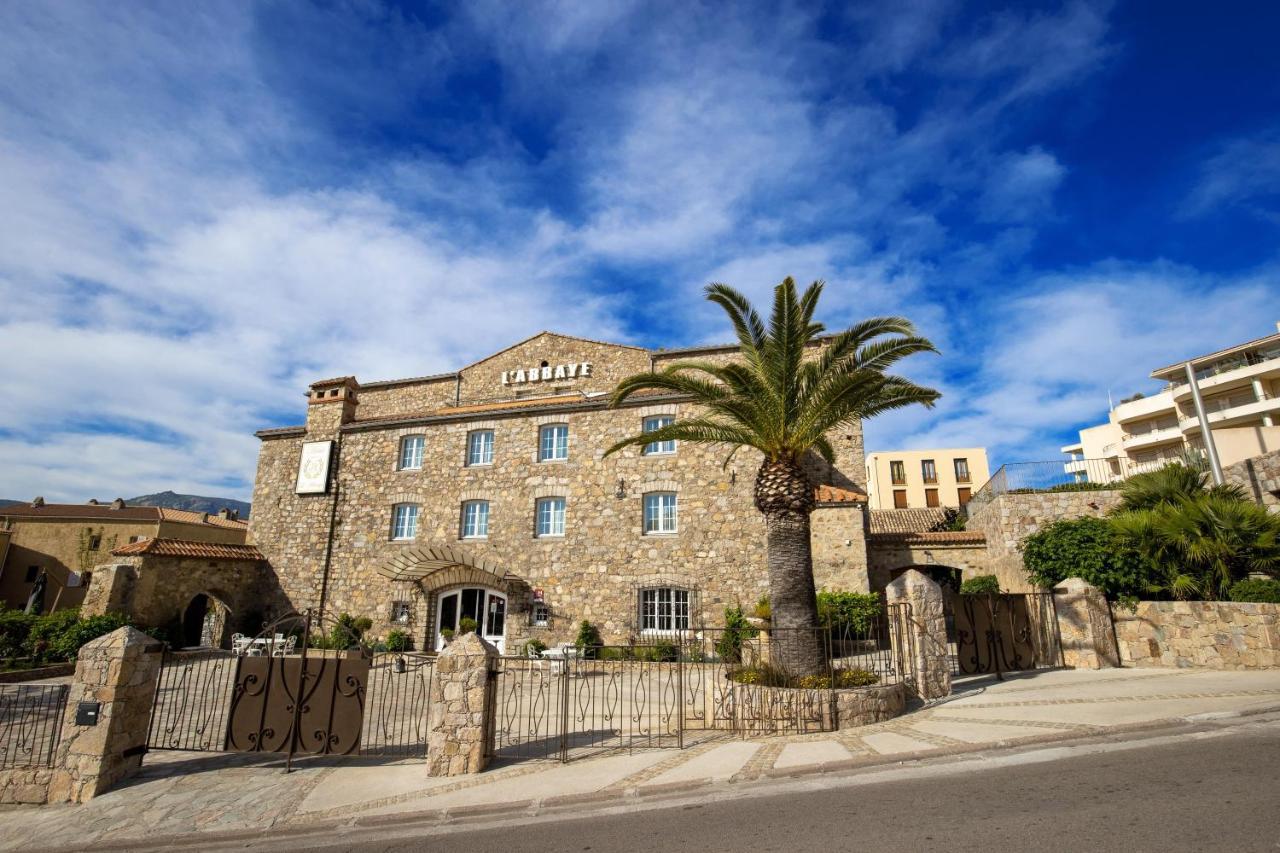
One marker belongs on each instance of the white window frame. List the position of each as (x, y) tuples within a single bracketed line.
[(658, 448), (553, 450), (664, 521), (404, 522), (475, 525), (541, 617), (401, 612), (544, 510), (409, 462), (485, 448), (665, 610)]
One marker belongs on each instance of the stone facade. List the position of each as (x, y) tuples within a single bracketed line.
[(1084, 626), (1259, 477), (330, 547), (27, 786), (927, 627), (1007, 519), (119, 671), (888, 555), (1210, 634), (460, 729)]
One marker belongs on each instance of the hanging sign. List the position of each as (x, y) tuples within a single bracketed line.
[(313, 468)]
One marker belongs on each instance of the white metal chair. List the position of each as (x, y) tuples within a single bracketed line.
[(534, 655)]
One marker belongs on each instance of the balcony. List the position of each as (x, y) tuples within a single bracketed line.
[(1226, 379), (1152, 438), (1238, 415), (1076, 466), (1156, 404)]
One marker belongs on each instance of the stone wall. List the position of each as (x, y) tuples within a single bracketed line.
[(838, 536), (381, 400), (1009, 518), (887, 554), (1259, 477), (610, 364), (460, 730), (1210, 634)]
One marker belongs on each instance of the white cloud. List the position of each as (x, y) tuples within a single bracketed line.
[(1243, 172), (1021, 186)]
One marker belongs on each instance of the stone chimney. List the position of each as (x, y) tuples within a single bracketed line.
[(330, 404), (93, 502), (118, 503), (38, 501)]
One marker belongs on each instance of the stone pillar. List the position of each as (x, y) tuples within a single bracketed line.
[(1084, 624), (925, 631), (460, 727), (118, 671)]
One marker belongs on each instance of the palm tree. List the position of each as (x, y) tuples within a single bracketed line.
[(1170, 485), (792, 386)]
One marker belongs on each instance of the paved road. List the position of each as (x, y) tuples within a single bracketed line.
[(1213, 791)]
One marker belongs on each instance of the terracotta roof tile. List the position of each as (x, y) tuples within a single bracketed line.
[(907, 520), (939, 537), (837, 495), (184, 548), (187, 517), (125, 513)]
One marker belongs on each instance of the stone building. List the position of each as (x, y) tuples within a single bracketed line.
[(66, 542), (485, 494)]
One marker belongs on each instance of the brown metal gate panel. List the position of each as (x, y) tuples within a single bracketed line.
[(312, 705), (1004, 633)]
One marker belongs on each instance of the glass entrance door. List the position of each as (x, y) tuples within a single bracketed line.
[(486, 607)]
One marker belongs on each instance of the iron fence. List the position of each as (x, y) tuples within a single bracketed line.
[(1008, 632), (1080, 475), (193, 695), (30, 723), (398, 705)]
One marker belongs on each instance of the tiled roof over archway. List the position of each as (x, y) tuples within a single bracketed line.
[(440, 567)]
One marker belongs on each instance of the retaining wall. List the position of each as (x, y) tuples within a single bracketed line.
[(1210, 634)]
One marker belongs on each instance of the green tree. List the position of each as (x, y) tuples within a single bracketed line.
[(1169, 485), (791, 387), (1087, 548)]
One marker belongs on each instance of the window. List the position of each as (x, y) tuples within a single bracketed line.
[(33, 572), (664, 609), (401, 611), (85, 578), (930, 497), (133, 539), (963, 494), (898, 473), (658, 447), (95, 541), (553, 443), (541, 615), (929, 471), (404, 521), (411, 452), (550, 517), (475, 519), (660, 512), (480, 447), (962, 470), (899, 498)]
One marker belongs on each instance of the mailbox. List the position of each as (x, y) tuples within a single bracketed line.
[(87, 713)]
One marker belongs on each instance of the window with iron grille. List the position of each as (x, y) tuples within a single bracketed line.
[(404, 521), (401, 611), (480, 447), (553, 443), (475, 519), (660, 512), (658, 448), (664, 609), (541, 616), (411, 452), (550, 517)]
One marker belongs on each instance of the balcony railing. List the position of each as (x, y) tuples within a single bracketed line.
[(1069, 475)]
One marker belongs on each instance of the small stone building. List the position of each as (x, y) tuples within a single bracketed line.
[(902, 539), (65, 541), (200, 591), (485, 494)]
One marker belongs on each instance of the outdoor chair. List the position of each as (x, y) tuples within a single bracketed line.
[(239, 642), (535, 656)]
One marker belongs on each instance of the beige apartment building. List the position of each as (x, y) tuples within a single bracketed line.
[(65, 542), (1240, 387), (917, 479)]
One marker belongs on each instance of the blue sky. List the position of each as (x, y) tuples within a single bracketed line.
[(207, 206)]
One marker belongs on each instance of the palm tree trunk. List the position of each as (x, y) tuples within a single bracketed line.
[(797, 646), (785, 496)]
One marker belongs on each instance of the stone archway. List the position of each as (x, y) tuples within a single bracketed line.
[(204, 621), (947, 577), (437, 571)]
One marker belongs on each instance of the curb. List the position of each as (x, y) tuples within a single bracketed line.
[(635, 795)]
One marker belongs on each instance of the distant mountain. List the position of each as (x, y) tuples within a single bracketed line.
[(194, 503), (4, 502)]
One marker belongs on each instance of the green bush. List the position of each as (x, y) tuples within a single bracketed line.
[(588, 640), (980, 585), (467, 625), (447, 633), (1087, 548), (848, 612), (762, 610), (1259, 590), (736, 631), (58, 636), (15, 627), (397, 641)]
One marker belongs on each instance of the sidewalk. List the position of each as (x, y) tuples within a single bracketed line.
[(183, 793)]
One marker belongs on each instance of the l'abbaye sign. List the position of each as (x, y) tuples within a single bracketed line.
[(313, 468), (546, 373)]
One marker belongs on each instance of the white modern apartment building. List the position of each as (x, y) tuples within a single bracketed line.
[(1240, 388)]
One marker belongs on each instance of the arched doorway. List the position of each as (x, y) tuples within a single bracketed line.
[(486, 607), (204, 622)]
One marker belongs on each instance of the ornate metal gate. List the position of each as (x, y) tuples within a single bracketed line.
[(994, 634)]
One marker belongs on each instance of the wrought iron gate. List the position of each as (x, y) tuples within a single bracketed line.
[(1008, 632)]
